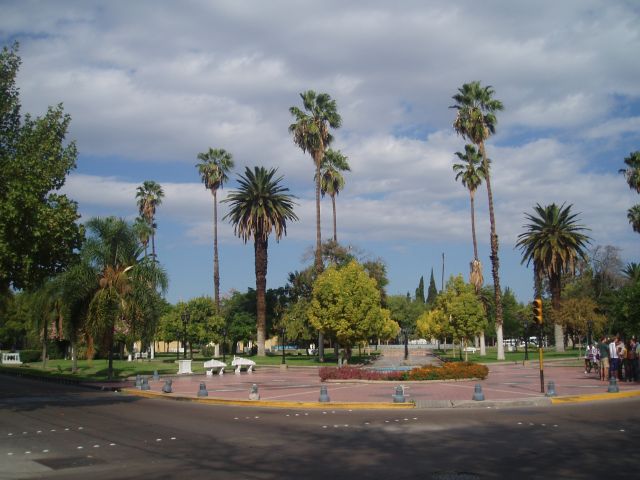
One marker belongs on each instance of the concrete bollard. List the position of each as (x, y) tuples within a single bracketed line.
[(145, 384), (254, 395), (398, 397), (324, 396), (138, 381), (551, 389), (202, 392), (156, 377), (167, 386), (613, 385), (477, 393)]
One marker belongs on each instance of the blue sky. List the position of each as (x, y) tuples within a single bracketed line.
[(150, 84)]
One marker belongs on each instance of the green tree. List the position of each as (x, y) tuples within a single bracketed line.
[(581, 317), (332, 182), (432, 292), (144, 231), (149, 196), (214, 168), (420, 291), (633, 215), (476, 121), (259, 206), (632, 172), (432, 324), (626, 309), (346, 305), (39, 232), (632, 272), (205, 325), (553, 241), (471, 173), (311, 133)]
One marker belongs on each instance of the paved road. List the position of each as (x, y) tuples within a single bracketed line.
[(55, 431)]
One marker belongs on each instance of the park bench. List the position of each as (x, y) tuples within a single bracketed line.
[(211, 365), (240, 363), (470, 349), (11, 358)]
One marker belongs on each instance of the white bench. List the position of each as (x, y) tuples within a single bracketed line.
[(11, 358), (214, 365), (240, 362), (470, 349)]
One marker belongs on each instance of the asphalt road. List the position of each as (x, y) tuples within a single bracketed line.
[(53, 431)]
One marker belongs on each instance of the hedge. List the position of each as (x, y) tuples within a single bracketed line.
[(448, 371)]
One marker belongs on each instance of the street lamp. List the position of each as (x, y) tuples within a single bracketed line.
[(525, 332), (185, 319), (224, 341), (282, 346)]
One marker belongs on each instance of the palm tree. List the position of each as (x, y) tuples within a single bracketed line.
[(311, 133), (633, 214), (632, 172), (213, 168), (471, 173), (332, 181), (260, 205), (150, 196), (632, 271), (123, 284), (144, 231), (554, 242), (476, 121)]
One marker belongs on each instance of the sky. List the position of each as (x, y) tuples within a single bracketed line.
[(150, 84)]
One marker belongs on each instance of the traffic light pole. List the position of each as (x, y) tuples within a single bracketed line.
[(537, 317), (541, 360)]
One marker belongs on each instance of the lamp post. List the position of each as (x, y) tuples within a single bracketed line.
[(525, 332), (589, 331), (282, 346), (224, 341), (185, 319)]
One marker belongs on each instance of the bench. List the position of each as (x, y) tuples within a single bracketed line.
[(11, 358), (240, 362), (211, 365), (470, 349)]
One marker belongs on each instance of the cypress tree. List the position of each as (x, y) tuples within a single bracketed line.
[(433, 290), (420, 291)]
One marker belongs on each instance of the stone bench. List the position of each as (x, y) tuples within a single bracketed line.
[(211, 365), (11, 358), (240, 363)]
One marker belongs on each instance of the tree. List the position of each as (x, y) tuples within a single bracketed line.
[(432, 292), (214, 167), (632, 172), (125, 285), (259, 206), (553, 241), (476, 121), (346, 305), (149, 196), (632, 272), (311, 133), (420, 291), (633, 215), (144, 231), (332, 182), (39, 232), (582, 317), (471, 173), (431, 324), (405, 312)]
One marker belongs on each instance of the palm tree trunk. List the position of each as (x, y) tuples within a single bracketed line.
[(335, 230), (473, 225), (260, 246), (110, 343), (216, 267), (558, 331), (318, 257), (153, 242), (74, 356), (495, 262)]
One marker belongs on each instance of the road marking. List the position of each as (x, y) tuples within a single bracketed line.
[(96, 446), (80, 448), (9, 434), (112, 444), (10, 453), (173, 438), (45, 451), (158, 439)]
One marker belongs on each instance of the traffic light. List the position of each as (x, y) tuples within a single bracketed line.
[(537, 311)]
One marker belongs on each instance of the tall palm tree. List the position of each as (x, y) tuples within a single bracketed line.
[(332, 181), (123, 284), (143, 232), (150, 195), (632, 172), (633, 214), (259, 206), (553, 241), (214, 166), (311, 133), (476, 121), (471, 173)]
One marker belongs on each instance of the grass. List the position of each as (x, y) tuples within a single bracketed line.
[(491, 357), (96, 370)]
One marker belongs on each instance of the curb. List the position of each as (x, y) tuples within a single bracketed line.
[(594, 397), (271, 403)]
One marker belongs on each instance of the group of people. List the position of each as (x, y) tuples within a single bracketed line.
[(616, 358)]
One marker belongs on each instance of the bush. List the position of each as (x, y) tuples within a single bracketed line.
[(30, 356), (448, 371)]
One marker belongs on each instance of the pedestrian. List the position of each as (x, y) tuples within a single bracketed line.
[(630, 365), (614, 359), (603, 347)]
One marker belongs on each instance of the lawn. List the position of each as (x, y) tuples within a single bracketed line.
[(549, 354)]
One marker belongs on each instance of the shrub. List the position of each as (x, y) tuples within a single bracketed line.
[(30, 356), (448, 371)]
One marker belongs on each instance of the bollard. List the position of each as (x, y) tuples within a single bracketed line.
[(324, 396), (203, 390), (145, 384), (138, 381), (167, 386), (477, 393), (551, 389), (156, 377), (254, 395), (399, 395), (613, 386)]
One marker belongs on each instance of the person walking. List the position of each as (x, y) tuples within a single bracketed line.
[(603, 347), (614, 360)]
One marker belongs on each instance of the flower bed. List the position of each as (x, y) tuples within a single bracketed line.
[(448, 371)]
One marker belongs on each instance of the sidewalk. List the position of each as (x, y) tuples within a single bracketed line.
[(507, 384)]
